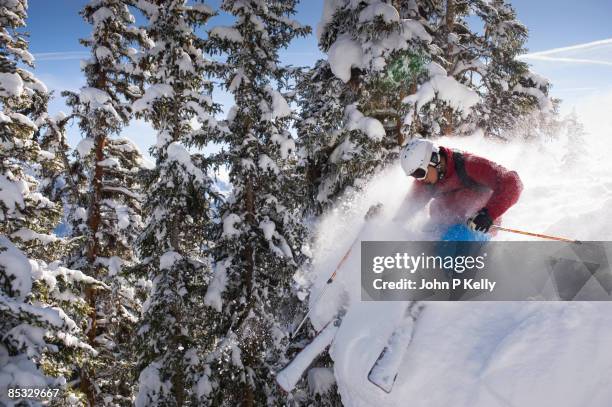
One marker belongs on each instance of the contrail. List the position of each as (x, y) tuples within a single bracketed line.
[(575, 89), (57, 56), (559, 59), (571, 47), (548, 55)]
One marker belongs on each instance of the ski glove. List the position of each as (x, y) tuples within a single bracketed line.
[(481, 221)]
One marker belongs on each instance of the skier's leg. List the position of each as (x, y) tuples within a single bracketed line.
[(452, 243), (461, 233)]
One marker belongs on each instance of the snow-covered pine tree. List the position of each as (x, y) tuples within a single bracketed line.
[(118, 307), (52, 138), (378, 57), (105, 199), (509, 90), (258, 240), (40, 342), (321, 114), (476, 80), (174, 332), (439, 101)]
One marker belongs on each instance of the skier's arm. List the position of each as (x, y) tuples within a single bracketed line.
[(416, 199), (506, 184)]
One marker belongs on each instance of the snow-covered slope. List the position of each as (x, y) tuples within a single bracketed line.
[(479, 354)]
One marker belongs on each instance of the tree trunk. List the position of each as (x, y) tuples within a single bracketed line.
[(94, 217), (447, 130), (249, 397), (450, 24), (93, 222), (249, 207), (248, 253), (87, 373), (178, 378)]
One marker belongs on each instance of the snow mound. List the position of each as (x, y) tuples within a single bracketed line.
[(227, 34), (387, 12), (343, 55), (11, 85), (151, 95), (446, 88), (85, 146), (179, 154), (16, 267), (482, 354), (355, 120)]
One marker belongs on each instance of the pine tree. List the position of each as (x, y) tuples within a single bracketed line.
[(117, 308), (440, 100), (318, 127), (376, 59), (258, 240), (104, 197), (496, 88), (174, 333), (40, 299), (54, 170)]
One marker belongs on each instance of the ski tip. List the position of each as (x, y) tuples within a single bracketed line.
[(283, 383), (386, 387)]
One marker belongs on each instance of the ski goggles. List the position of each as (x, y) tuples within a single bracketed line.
[(421, 172)]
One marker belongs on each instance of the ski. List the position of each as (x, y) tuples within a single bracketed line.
[(291, 374), (384, 371)]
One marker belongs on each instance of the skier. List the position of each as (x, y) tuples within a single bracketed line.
[(460, 186)]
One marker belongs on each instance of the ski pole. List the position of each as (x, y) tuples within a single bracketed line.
[(522, 232), (374, 210), (327, 284)]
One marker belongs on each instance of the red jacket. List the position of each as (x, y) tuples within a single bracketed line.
[(452, 201)]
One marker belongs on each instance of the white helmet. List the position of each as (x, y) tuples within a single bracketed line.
[(418, 154)]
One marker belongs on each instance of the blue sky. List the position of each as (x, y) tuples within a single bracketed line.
[(55, 28)]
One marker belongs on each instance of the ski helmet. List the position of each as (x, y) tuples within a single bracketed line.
[(418, 154)]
